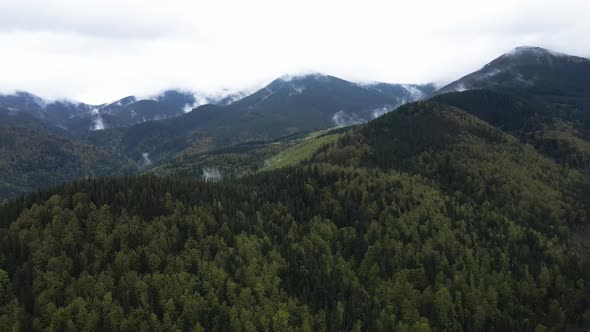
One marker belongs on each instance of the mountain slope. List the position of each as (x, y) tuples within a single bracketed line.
[(32, 159), (54, 113), (560, 131), (404, 93), (324, 100), (248, 158), (26, 120), (533, 70), (131, 110)]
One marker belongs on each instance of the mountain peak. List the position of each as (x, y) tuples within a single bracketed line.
[(303, 77), (534, 55), (532, 50), (531, 68)]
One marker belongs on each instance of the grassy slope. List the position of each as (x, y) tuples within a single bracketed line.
[(248, 158), (299, 152)]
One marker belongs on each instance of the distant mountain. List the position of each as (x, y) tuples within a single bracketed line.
[(58, 113), (532, 70), (78, 118), (404, 93), (26, 120), (227, 97), (315, 101), (130, 110), (322, 100), (296, 102), (285, 106)]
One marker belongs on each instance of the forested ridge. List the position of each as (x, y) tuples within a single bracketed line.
[(32, 159), (427, 218)]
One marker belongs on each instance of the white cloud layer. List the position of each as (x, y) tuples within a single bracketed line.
[(95, 51)]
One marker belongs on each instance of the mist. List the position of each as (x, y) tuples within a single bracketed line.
[(212, 174)]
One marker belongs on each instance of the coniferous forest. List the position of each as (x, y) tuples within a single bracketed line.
[(427, 218)]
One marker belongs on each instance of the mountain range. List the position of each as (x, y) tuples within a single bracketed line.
[(544, 92), (76, 118)]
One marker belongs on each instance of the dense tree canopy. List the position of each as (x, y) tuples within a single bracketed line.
[(427, 218)]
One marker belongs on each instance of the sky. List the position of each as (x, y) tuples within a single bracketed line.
[(97, 51)]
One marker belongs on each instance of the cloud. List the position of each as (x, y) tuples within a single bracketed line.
[(415, 93), (211, 174), (98, 123), (130, 19), (342, 118), (380, 111), (94, 51), (145, 159)]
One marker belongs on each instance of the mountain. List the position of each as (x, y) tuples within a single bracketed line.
[(79, 118), (34, 158), (16, 118), (404, 93), (285, 106), (226, 97), (427, 218), (559, 131), (540, 96), (533, 70), (130, 110), (57, 113), (327, 100)]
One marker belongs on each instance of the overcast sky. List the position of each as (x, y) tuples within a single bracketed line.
[(97, 51)]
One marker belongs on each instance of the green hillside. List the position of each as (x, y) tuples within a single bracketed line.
[(560, 130), (248, 158), (300, 152)]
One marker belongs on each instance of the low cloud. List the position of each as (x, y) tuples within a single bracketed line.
[(145, 159), (342, 119), (211, 174), (414, 92), (380, 111), (98, 123)]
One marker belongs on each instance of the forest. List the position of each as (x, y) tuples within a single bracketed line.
[(427, 218)]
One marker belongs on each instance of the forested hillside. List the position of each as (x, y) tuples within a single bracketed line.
[(427, 218), (33, 158), (248, 158), (560, 130)]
